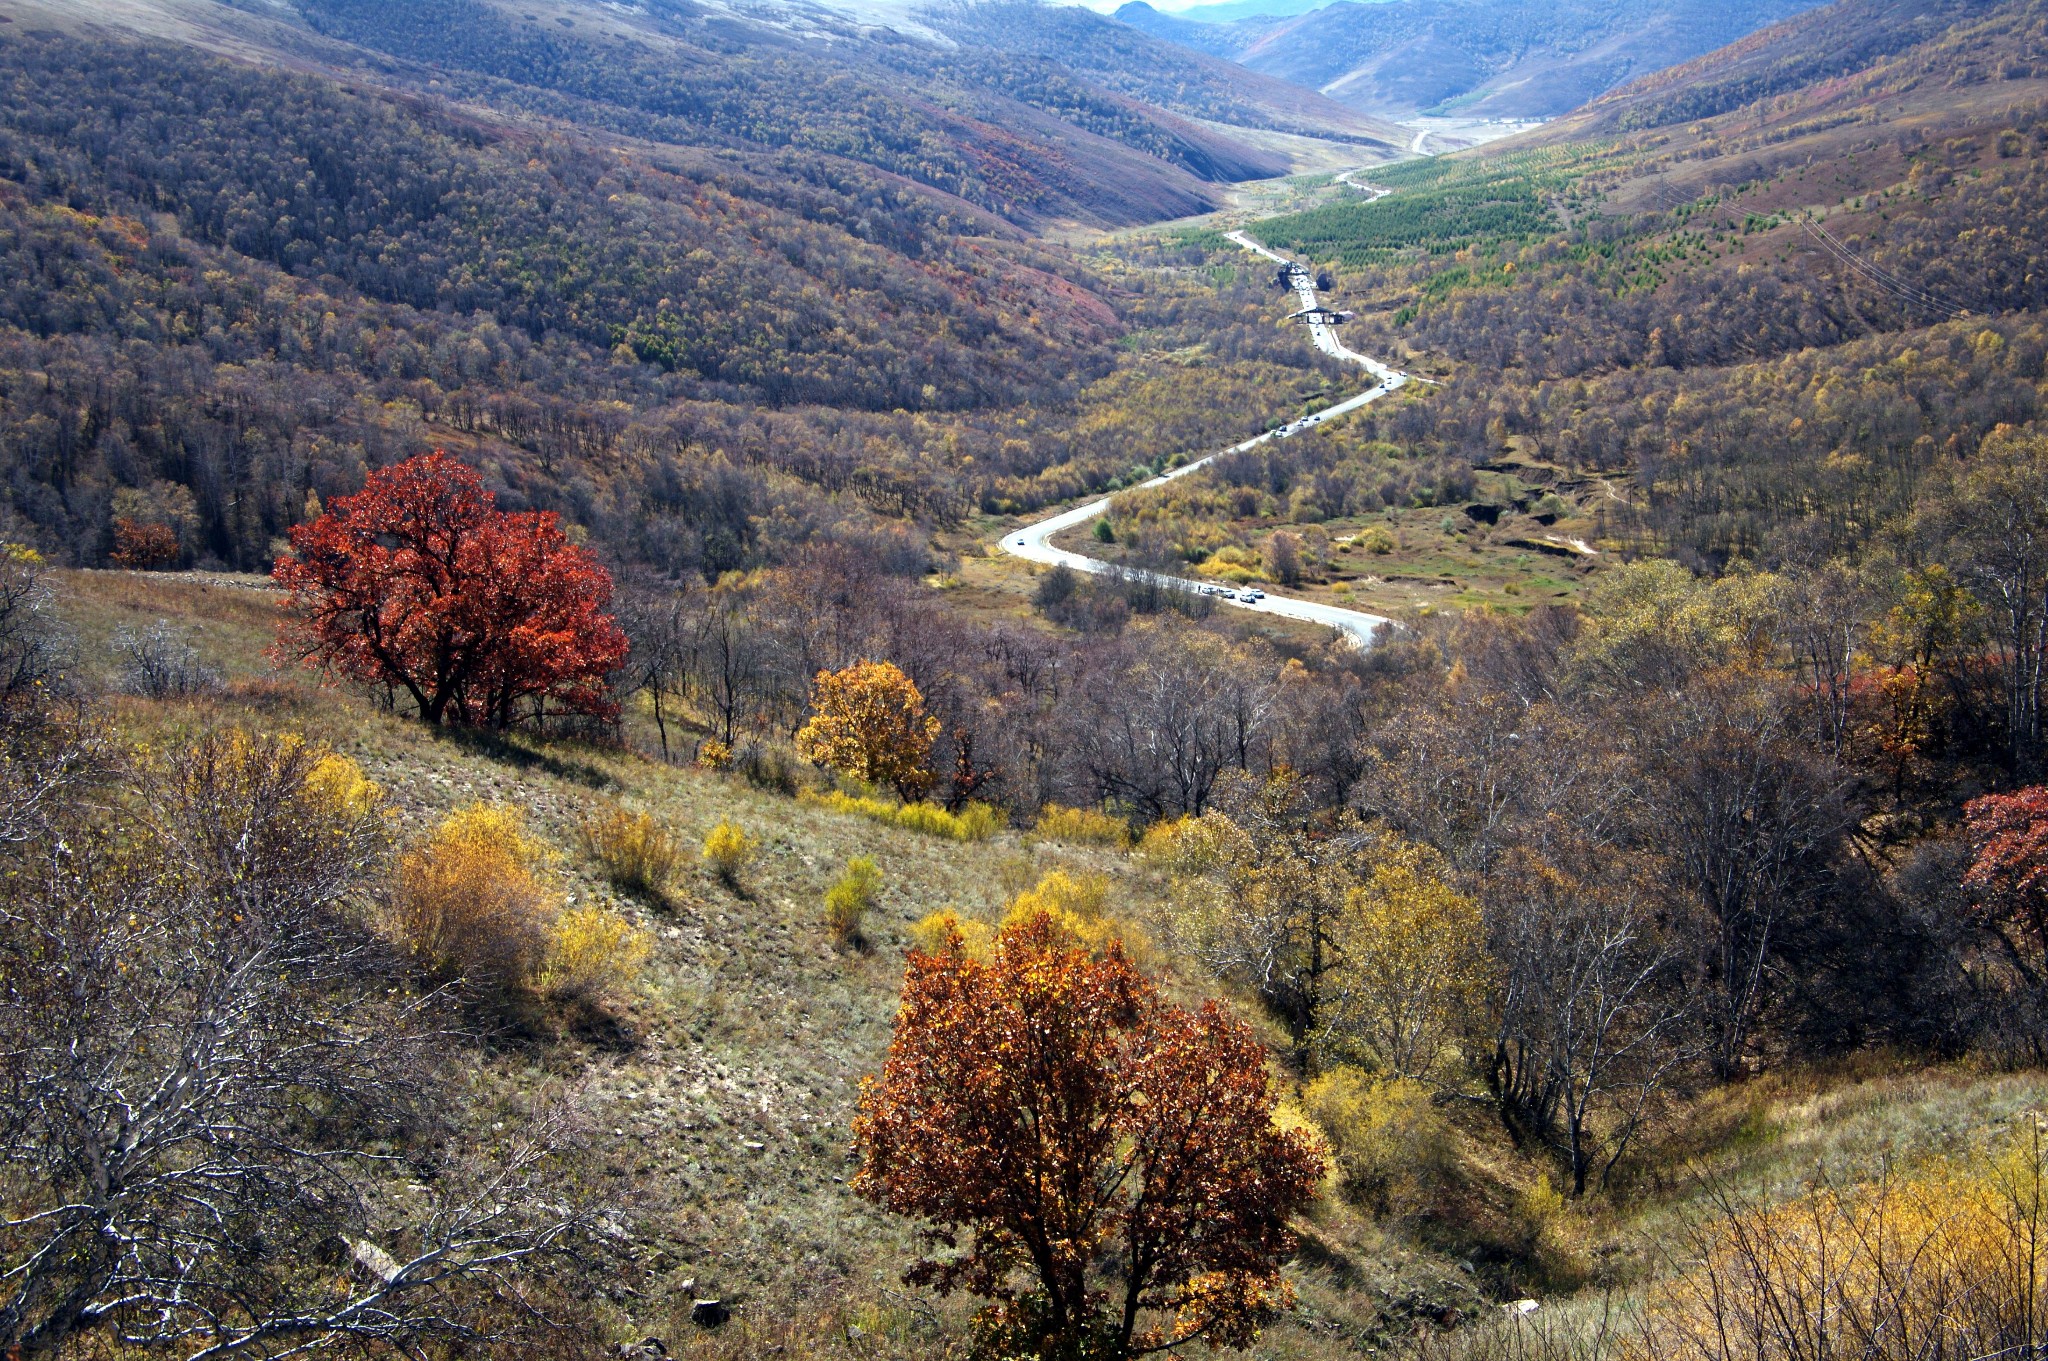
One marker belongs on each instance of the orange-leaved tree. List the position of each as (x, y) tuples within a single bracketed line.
[(482, 616), (1112, 1155), (869, 722)]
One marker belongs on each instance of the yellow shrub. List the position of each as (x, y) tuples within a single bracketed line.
[(468, 900), (1161, 843), (1079, 903), (847, 902), (338, 784), (714, 755), (637, 852), (1941, 1260), (592, 953), (975, 822), (727, 850), (931, 934), (1388, 1143), (1085, 826), (1374, 539)]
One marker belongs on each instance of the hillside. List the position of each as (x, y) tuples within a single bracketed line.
[(539, 819), (1847, 218), (1034, 142), (1478, 61)]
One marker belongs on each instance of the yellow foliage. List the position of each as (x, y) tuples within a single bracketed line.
[(975, 822), (1415, 963), (931, 934), (714, 755), (1943, 1260), (1374, 539), (727, 849), (338, 784), (468, 900), (1085, 826), (592, 953), (1162, 842), (1388, 1142), (637, 852), (847, 901), (869, 722), (1078, 903)]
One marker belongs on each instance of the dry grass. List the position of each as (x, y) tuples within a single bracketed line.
[(719, 1103)]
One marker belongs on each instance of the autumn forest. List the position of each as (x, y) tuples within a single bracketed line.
[(563, 794)]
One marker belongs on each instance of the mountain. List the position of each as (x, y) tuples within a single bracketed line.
[(1802, 56), (1518, 59), (1227, 11), (1117, 56), (1131, 132)]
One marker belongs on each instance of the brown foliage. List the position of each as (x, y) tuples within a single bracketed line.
[(1054, 1105)]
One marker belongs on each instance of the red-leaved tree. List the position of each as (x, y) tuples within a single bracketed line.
[(2010, 873), (483, 616), (1113, 1156)]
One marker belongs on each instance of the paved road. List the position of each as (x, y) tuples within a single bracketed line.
[(1033, 542)]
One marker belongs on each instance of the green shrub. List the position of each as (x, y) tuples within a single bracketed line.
[(847, 902)]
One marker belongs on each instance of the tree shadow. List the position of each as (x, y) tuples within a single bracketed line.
[(506, 749)]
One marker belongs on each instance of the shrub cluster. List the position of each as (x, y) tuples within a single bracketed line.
[(471, 902), (1084, 826), (974, 821)]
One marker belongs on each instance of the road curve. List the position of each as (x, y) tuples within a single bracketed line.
[(1033, 543)]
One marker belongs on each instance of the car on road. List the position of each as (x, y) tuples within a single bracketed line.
[(1255, 594), (1248, 597)]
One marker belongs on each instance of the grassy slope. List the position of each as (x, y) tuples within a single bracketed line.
[(718, 1097)]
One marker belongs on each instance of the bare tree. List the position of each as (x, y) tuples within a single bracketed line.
[(1592, 1009), (1752, 820), (659, 622), (1994, 518), (207, 1088)]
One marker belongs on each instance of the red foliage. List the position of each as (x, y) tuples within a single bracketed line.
[(419, 582), (1114, 1155), (2010, 871), (144, 546)]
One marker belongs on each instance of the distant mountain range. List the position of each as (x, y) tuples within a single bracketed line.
[(1228, 11), (1473, 58)]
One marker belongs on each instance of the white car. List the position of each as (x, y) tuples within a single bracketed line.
[(1248, 597), (1255, 594)]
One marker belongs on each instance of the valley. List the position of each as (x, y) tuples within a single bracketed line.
[(743, 679)]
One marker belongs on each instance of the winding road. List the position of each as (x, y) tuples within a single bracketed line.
[(1033, 543)]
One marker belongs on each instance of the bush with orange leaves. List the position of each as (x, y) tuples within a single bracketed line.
[(869, 722), (1113, 1156)]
